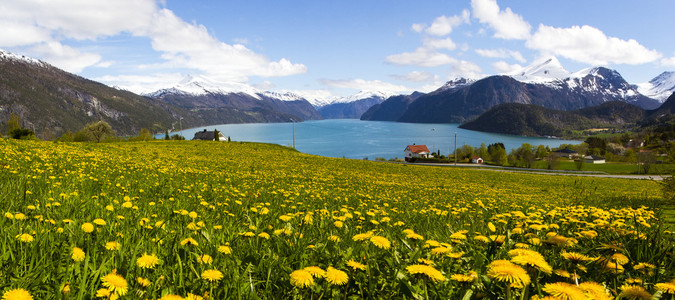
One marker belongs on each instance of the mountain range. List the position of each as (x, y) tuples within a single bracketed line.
[(545, 83), (51, 101)]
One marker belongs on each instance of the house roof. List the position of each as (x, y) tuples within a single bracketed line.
[(205, 135), (565, 151), (593, 157), (476, 157), (418, 148)]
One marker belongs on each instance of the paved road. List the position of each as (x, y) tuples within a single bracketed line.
[(546, 172)]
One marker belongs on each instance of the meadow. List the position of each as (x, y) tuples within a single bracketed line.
[(208, 220)]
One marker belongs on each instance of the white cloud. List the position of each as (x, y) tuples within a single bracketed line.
[(446, 43), (64, 57), (670, 62), (505, 23), (417, 76), (501, 53), (418, 27), (421, 57), (503, 67), (443, 25), (265, 85), (588, 44), (142, 84), (365, 85), (44, 27)]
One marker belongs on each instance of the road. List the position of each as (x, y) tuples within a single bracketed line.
[(545, 172)]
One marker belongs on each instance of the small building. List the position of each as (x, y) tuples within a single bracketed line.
[(414, 151), (567, 153), (592, 159), (477, 160), (209, 136)]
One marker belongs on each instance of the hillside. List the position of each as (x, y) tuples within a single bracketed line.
[(51, 101), (533, 120)]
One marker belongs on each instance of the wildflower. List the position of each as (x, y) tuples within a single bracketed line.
[(491, 227), (102, 293), (575, 257), (334, 238), (666, 287), (212, 275), (336, 277), (189, 242), (469, 277), (532, 258), (224, 249), (316, 271), (356, 265), (505, 271), (426, 261), (147, 261), (9, 215), (614, 267), (264, 235), (380, 242), (205, 259), (144, 282), (115, 283), (17, 294), (362, 236), (301, 278), (440, 251), (634, 292), (481, 238), (66, 288), (192, 296), (25, 237), (428, 271), (77, 255), (595, 291), (619, 258), (565, 291), (19, 216), (87, 227), (99, 222), (171, 297)]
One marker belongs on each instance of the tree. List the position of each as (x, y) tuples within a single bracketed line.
[(483, 151), (498, 156), (166, 135), (13, 123), (98, 131), (143, 135), (541, 152), (215, 135), (14, 128)]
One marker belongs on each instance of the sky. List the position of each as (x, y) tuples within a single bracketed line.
[(320, 49)]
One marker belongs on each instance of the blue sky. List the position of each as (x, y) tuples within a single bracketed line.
[(321, 48)]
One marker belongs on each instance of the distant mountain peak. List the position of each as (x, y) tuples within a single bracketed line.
[(196, 85), (7, 56), (455, 83), (660, 87), (541, 71)]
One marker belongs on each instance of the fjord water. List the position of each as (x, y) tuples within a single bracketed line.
[(353, 138)]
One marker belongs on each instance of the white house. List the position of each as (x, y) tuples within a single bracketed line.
[(413, 151), (209, 136), (477, 160), (592, 159)]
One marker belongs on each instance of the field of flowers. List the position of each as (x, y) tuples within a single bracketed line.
[(207, 220)]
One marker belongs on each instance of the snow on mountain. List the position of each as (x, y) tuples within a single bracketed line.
[(196, 85), (5, 55), (541, 71), (659, 88), (321, 101), (455, 83), (284, 96)]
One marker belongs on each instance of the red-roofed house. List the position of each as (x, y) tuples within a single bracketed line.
[(476, 160), (416, 151)]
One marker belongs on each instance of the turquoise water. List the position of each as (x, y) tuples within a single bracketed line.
[(352, 138)]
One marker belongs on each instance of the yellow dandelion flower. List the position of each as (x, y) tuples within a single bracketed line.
[(380, 242), (264, 235), (426, 270), (634, 292), (441, 251), (481, 238), (334, 238), (505, 271), (99, 222), (595, 290), (115, 283), (301, 278), (336, 277), (192, 296), (205, 259), (212, 275), (356, 265), (469, 277), (491, 227), (144, 282), (362, 236), (77, 254), (102, 293), (316, 271), (189, 242), (147, 261), (614, 267), (338, 224), (666, 287), (113, 246), (17, 294), (529, 257), (87, 227), (171, 297), (426, 261), (575, 257), (562, 273), (619, 258), (224, 249), (25, 237), (564, 291)]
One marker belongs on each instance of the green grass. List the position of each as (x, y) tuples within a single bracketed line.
[(610, 167)]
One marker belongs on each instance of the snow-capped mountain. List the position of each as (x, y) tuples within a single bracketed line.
[(8, 56), (659, 88), (541, 71), (196, 85), (455, 84), (353, 106)]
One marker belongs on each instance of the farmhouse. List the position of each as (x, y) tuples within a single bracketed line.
[(476, 160), (592, 159), (567, 153), (414, 151), (209, 136)]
